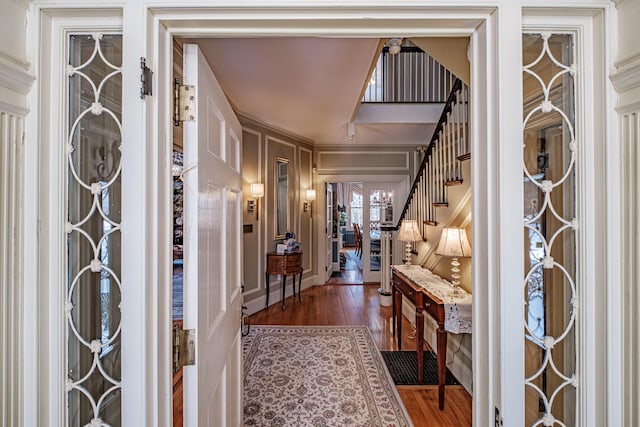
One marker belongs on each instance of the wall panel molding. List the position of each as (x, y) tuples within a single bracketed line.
[(260, 166), (363, 160), (254, 258), (306, 165)]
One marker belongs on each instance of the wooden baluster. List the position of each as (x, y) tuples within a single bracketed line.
[(449, 148), (432, 216), (465, 119), (436, 158), (440, 183), (421, 192), (457, 120)]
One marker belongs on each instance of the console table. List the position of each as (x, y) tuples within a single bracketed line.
[(428, 292), (284, 264)]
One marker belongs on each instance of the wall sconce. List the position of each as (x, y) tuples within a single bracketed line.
[(311, 196), (257, 192)]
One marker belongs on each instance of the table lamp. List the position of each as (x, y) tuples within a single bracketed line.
[(454, 243), (409, 232)]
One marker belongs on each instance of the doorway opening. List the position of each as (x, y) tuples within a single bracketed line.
[(346, 230), (368, 218)]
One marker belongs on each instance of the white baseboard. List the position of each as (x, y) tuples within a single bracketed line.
[(275, 295), (461, 370)]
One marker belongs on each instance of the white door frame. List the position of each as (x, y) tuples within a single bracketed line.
[(484, 28), (495, 52), (402, 181)]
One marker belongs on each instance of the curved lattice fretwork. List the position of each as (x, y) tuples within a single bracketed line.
[(549, 169), (93, 229)]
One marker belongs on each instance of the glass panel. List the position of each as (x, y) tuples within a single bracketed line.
[(550, 248), (380, 213), (93, 229)]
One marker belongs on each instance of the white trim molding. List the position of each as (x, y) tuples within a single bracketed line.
[(595, 195), (15, 75), (13, 109), (627, 75), (624, 323), (12, 197), (275, 293)]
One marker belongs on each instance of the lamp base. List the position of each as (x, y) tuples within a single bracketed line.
[(455, 278), (407, 254)]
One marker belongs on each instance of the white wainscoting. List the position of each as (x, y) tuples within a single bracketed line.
[(275, 292)]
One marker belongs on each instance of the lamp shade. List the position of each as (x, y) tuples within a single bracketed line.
[(453, 242), (311, 195), (257, 189), (409, 231)]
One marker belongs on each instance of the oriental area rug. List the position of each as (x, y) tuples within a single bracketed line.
[(317, 376)]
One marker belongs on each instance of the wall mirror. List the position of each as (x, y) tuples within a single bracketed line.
[(282, 196)]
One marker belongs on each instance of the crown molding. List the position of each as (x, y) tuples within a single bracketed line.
[(248, 120), (627, 75), (14, 74), (13, 109)]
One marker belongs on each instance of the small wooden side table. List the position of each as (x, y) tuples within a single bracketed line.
[(284, 264)]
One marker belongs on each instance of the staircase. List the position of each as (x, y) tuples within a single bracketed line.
[(441, 166), (440, 170)]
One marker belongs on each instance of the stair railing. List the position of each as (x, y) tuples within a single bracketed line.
[(441, 164), (440, 168)]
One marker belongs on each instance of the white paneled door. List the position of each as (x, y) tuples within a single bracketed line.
[(329, 232), (212, 237)]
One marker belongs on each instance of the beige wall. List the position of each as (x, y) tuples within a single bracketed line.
[(451, 52), (261, 146), (628, 30), (14, 63), (457, 214), (365, 160)]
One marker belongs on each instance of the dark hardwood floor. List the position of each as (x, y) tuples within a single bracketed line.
[(351, 273), (336, 304)]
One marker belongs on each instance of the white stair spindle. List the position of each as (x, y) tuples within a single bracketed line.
[(458, 140)]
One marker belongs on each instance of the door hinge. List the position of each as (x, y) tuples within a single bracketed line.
[(497, 418), (184, 347), (184, 103), (146, 79)]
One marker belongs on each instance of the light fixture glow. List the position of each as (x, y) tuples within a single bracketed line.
[(409, 232), (257, 190), (454, 243), (311, 195)]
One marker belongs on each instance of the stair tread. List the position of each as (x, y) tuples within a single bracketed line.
[(452, 182)]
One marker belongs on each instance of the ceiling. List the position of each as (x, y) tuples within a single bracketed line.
[(307, 86)]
